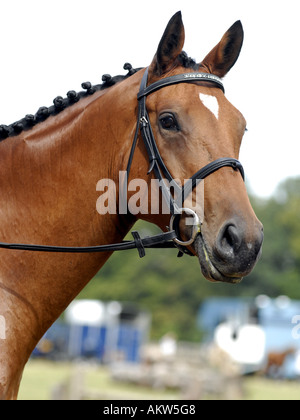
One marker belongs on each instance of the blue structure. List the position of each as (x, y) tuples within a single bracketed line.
[(215, 311), (278, 319), (108, 332)]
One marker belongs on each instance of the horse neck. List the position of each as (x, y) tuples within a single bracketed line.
[(54, 168), (48, 179)]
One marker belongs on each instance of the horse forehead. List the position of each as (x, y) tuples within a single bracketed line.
[(188, 97), (223, 110), (211, 103)]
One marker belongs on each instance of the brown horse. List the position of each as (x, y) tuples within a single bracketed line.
[(49, 173), (276, 360)]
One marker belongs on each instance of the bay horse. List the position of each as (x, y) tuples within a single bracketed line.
[(50, 164), (276, 360)]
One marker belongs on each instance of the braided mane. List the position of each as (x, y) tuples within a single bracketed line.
[(60, 103)]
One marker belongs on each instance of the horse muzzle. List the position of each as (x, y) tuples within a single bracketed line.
[(232, 256)]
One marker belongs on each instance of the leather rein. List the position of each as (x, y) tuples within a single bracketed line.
[(172, 238)]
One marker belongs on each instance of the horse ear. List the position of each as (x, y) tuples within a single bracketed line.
[(169, 47), (220, 60)]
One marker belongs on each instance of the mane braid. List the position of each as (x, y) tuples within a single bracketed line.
[(60, 103)]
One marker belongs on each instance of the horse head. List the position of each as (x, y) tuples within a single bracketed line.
[(194, 124)]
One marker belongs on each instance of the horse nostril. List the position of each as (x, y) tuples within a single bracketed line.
[(230, 239), (234, 247)]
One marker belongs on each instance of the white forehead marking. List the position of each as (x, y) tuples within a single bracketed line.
[(211, 103)]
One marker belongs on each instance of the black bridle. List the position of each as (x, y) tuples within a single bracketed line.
[(169, 239)]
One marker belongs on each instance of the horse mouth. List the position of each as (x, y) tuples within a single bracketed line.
[(208, 268)]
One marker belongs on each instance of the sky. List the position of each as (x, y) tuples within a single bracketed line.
[(51, 47)]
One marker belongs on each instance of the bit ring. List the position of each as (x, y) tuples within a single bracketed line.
[(196, 226)]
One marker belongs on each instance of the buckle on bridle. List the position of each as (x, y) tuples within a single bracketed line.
[(143, 121), (196, 226)]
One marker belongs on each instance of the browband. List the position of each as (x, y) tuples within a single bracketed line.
[(181, 78)]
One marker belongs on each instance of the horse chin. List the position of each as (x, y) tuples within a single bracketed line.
[(209, 270)]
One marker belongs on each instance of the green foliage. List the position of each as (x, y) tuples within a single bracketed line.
[(172, 289), (279, 269)]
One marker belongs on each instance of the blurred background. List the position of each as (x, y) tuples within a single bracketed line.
[(154, 328)]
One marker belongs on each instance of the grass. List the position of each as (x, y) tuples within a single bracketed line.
[(41, 377), (266, 389)]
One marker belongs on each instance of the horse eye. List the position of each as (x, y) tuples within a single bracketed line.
[(168, 122)]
